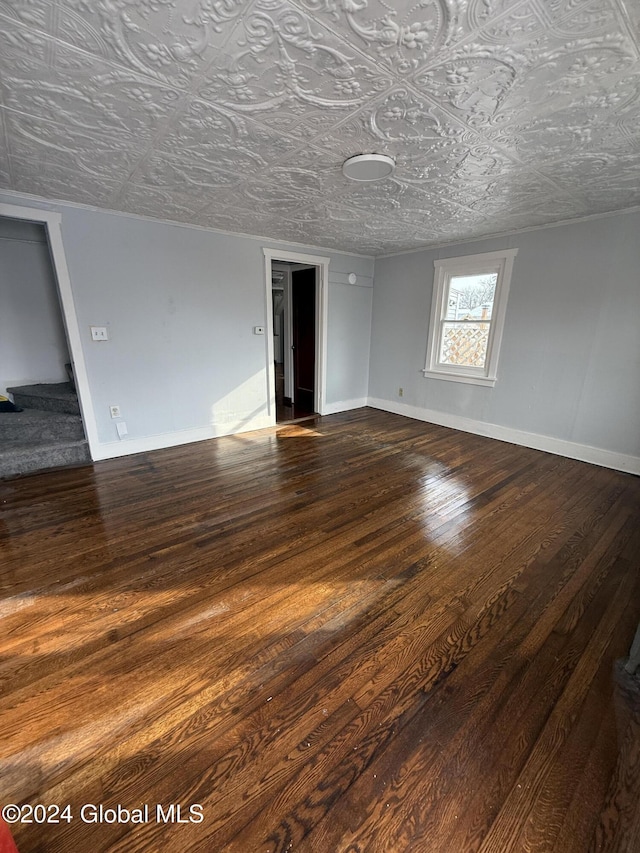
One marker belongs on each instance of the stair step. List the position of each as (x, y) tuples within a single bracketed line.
[(17, 457), (38, 425), (51, 397)]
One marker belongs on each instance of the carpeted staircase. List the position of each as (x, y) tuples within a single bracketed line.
[(47, 434)]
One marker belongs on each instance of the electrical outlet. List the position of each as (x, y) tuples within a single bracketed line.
[(258, 330), (122, 429), (400, 392), (115, 411), (99, 333)]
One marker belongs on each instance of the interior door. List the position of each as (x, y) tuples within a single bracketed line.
[(303, 291)]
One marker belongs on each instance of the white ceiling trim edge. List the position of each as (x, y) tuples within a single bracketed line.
[(54, 204), (501, 234)]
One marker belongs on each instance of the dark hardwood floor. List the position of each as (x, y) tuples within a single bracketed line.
[(286, 412), (359, 633)]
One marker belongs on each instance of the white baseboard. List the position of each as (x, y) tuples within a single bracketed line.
[(561, 447), (344, 406), (128, 446)]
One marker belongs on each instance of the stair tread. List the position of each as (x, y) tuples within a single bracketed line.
[(20, 458), (29, 415), (44, 444), (51, 390)]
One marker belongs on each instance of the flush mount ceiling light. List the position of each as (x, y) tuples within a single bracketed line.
[(368, 167)]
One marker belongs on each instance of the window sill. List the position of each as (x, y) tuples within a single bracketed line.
[(487, 381)]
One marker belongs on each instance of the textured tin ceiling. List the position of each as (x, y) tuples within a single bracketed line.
[(501, 114)]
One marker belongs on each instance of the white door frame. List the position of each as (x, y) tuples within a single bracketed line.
[(322, 302), (288, 327), (53, 224)]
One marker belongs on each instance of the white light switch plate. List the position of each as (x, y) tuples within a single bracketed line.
[(122, 429)]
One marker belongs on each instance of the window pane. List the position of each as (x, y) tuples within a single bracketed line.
[(470, 297), (464, 344)]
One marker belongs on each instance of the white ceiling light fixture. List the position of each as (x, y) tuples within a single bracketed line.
[(368, 167)]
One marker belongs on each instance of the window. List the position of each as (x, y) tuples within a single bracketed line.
[(467, 317)]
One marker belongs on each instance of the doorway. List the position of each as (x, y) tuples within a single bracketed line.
[(303, 311), (296, 334), (33, 344), (293, 291), (51, 223)]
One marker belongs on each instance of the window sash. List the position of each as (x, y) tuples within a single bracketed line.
[(489, 263)]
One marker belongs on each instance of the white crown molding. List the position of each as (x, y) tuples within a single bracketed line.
[(434, 247), (546, 443), (54, 205)]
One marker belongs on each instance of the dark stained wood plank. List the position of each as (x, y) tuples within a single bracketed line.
[(432, 771), (618, 827), (356, 633)]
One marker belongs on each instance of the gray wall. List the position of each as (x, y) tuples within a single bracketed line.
[(180, 304), (570, 360), (349, 339), (33, 346)]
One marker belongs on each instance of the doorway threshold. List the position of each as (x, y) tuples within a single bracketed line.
[(311, 417)]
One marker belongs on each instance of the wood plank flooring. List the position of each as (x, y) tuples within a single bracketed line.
[(356, 633)]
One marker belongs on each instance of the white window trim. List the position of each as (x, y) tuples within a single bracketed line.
[(488, 262)]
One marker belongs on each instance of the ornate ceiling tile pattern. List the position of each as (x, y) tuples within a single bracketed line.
[(238, 114)]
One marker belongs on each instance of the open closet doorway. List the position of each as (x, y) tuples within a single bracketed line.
[(43, 362), (293, 292), (296, 333)]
